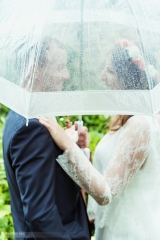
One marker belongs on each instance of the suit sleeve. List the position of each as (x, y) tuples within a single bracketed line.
[(33, 153)]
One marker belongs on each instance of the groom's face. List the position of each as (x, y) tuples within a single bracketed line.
[(52, 75)]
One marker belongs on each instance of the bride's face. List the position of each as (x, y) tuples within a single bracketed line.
[(110, 77)]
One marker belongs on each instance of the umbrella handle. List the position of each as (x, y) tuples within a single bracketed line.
[(80, 125), (86, 151)]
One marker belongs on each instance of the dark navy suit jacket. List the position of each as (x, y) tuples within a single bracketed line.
[(45, 202)]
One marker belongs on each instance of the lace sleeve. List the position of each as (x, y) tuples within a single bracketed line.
[(129, 155), (128, 158), (77, 166)]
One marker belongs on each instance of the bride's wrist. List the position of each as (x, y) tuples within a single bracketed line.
[(69, 146)]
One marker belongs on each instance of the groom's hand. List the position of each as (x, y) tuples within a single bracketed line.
[(83, 140)]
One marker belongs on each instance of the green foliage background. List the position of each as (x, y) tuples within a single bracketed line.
[(6, 223), (96, 126)]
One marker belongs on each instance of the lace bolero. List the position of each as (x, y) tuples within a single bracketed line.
[(129, 156)]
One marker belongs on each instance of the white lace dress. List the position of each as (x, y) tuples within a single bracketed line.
[(127, 183)]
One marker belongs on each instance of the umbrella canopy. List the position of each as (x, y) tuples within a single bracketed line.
[(67, 57)]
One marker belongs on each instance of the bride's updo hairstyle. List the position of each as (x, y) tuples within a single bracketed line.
[(130, 67)]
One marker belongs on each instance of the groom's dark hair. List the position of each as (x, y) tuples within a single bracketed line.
[(24, 53), (43, 56)]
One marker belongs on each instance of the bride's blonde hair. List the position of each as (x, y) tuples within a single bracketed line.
[(118, 121)]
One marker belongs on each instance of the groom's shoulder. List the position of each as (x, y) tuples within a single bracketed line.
[(16, 122)]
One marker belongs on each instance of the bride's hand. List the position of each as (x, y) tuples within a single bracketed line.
[(81, 137), (58, 134)]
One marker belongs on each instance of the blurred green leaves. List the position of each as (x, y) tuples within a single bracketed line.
[(3, 111), (6, 222)]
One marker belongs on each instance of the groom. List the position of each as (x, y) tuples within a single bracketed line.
[(45, 202)]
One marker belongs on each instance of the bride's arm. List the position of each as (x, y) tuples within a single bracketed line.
[(130, 154), (80, 169), (77, 166)]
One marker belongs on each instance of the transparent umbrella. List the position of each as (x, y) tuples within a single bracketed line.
[(64, 57)]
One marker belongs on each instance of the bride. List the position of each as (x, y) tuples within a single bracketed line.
[(127, 183)]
